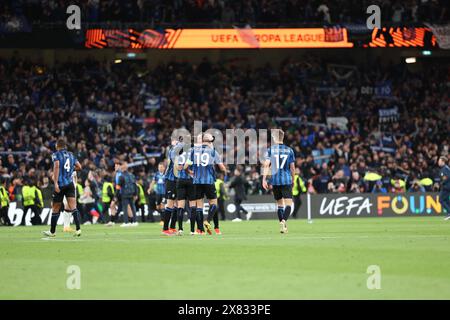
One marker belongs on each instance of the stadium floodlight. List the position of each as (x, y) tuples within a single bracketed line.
[(426, 52), (410, 60), (131, 55), (118, 61)]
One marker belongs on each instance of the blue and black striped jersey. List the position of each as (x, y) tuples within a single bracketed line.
[(280, 156), (182, 156), (66, 166), (203, 159), (159, 179)]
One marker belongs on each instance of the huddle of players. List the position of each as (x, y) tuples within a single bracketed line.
[(190, 176)]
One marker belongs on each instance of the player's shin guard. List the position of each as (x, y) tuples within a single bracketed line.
[(166, 218), (180, 218), (173, 219), (54, 221), (76, 218), (280, 213), (193, 217), (287, 212), (200, 219), (211, 212)]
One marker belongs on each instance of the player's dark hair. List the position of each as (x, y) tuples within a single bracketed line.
[(60, 144)]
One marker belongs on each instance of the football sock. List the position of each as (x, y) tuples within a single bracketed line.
[(287, 212), (280, 213), (54, 221), (180, 218), (166, 216), (216, 220), (193, 218), (211, 212), (66, 218), (200, 219), (173, 219), (76, 218)]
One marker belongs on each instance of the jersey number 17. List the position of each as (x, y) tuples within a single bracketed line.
[(283, 158)]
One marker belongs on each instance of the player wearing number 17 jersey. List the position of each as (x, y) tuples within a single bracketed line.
[(279, 163), (64, 164)]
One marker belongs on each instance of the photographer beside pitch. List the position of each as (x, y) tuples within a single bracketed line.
[(64, 163), (444, 196)]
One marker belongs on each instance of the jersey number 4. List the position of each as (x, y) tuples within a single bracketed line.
[(67, 165)]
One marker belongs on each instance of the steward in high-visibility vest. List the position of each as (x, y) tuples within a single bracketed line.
[(4, 203), (30, 200), (221, 196), (28, 195), (80, 191), (297, 189), (220, 189), (141, 195), (107, 192), (39, 199), (299, 186), (141, 201)]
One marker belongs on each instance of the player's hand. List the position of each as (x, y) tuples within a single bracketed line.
[(265, 185), (57, 188)]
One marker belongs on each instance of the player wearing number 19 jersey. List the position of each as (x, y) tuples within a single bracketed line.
[(203, 158), (279, 163)]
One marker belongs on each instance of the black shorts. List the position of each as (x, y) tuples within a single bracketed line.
[(282, 192), (68, 191), (185, 190), (171, 190), (205, 190), (159, 198)]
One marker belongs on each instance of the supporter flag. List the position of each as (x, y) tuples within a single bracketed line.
[(248, 36), (153, 102)]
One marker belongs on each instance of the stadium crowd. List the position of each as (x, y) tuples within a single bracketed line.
[(225, 12), (135, 111)]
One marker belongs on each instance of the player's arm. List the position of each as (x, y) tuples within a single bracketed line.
[(150, 188), (55, 175), (292, 169), (266, 172), (222, 168), (77, 166)]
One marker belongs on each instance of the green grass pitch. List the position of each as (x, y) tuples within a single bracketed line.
[(327, 259)]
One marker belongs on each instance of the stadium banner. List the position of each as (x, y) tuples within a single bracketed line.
[(401, 37), (100, 117), (442, 34), (334, 205), (330, 205), (236, 38)]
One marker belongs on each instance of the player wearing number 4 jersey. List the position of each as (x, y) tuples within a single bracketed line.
[(279, 164), (64, 164)]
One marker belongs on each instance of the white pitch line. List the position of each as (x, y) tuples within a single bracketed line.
[(203, 238)]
